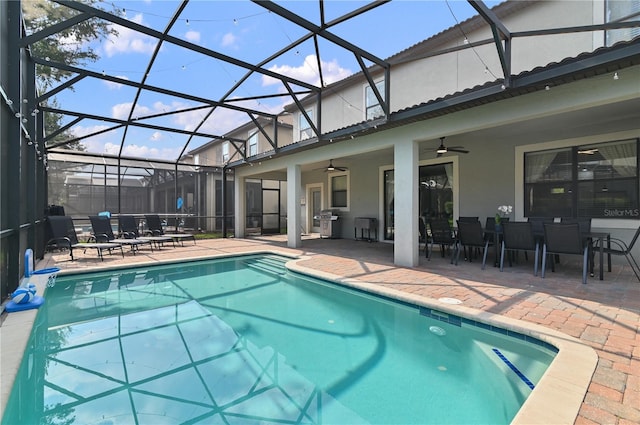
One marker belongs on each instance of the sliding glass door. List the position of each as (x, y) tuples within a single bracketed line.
[(435, 195)]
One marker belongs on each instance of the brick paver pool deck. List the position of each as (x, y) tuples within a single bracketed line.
[(604, 315)]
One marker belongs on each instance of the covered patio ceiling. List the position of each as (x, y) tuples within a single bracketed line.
[(241, 85), (609, 118)]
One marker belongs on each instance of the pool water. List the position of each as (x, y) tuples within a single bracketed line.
[(242, 341)]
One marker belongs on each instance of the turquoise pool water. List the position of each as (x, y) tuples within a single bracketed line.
[(242, 341)]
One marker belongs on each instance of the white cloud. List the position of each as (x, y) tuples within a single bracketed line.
[(141, 151), (129, 41), (121, 110), (115, 86), (308, 72), (193, 36), (156, 136), (95, 143), (229, 40)]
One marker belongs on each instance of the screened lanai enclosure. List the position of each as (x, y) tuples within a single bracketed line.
[(184, 195), (136, 107)]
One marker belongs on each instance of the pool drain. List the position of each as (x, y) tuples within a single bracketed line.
[(437, 330)]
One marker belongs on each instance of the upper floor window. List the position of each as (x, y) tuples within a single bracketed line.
[(339, 190), (252, 144), (372, 106), (305, 127), (622, 11), (597, 181), (225, 152)]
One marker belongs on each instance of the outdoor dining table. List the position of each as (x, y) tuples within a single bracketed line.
[(600, 237)]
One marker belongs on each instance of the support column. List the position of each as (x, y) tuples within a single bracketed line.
[(240, 207), (294, 180), (405, 251)]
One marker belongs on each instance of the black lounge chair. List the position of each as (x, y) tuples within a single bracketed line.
[(154, 225), (63, 236), (129, 229), (102, 232)]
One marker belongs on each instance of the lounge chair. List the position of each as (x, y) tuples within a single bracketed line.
[(102, 232), (63, 235), (129, 229), (154, 225)]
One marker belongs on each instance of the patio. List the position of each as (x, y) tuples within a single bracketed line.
[(603, 314)]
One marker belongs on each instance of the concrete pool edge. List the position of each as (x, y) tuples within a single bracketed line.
[(558, 396), (556, 399)]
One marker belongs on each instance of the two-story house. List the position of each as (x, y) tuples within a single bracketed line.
[(489, 112)]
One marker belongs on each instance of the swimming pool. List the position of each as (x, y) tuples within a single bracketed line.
[(240, 340)]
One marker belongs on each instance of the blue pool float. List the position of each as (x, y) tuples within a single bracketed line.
[(47, 271), (36, 302)]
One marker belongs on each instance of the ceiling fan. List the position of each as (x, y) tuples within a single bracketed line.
[(442, 149), (332, 167)]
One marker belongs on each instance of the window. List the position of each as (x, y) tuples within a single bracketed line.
[(339, 190), (598, 181), (622, 11), (225, 152), (253, 144), (305, 127), (372, 106)]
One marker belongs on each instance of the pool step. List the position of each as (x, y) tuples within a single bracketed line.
[(269, 265)]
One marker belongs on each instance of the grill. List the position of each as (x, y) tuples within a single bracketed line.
[(329, 227)]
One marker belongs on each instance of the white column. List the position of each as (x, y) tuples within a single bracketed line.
[(406, 251), (294, 191), (240, 207)]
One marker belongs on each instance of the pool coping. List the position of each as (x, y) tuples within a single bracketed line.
[(556, 399)]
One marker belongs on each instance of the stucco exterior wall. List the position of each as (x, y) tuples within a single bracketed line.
[(427, 79)]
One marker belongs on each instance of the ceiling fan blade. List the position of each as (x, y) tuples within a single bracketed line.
[(459, 149), (332, 167)]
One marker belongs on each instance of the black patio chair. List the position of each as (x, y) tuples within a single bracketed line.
[(537, 225), (563, 238), (519, 236), (468, 218), (63, 236), (584, 223), (154, 224), (471, 235), (103, 232), (620, 247), (442, 234), (422, 229), (129, 230), (585, 228)]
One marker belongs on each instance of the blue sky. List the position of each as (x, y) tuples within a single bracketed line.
[(238, 29)]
